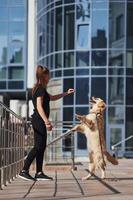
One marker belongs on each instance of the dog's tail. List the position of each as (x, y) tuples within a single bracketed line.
[(110, 158)]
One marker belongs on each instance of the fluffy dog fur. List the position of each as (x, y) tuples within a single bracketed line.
[(92, 125)]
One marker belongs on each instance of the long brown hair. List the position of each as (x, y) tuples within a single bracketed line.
[(40, 74)]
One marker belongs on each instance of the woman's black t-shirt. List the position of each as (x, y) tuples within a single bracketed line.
[(41, 92)]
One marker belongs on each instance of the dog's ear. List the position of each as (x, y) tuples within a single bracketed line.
[(92, 100)]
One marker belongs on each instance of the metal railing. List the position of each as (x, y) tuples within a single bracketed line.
[(60, 144), (117, 147), (11, 145)]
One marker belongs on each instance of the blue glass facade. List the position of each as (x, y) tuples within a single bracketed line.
[(13, 45), (88, 45)]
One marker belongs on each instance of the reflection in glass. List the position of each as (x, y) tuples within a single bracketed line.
[(83, 11), (98, 88), (116, 90), (116, 24), (69, 27), (116, 58), (99, 28), (82, 58), (82, 87), (83, 36), (129, 89), (16, 13), (3, 49), (99, 58), (3, 73), (16, 72), (116, 115), (69, 59), (16, 53)]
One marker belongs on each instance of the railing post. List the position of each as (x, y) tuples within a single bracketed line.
[(73, 152)]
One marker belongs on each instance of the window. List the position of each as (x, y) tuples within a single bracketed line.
[(69, 28), (82, 59), (129, 128), (116, 58), (130, 59), (16, 72), (83, 11), (99, 28), (67, 116), (68, 83), (130, 25), (129, 88), (99, 58), (69, 59), (116, 115), (119, 27), (98, 88), (83, 36), (3, 72), (15, 84), (58, 60), (82, 87), (58, 29), (2, 85), (116, 90)]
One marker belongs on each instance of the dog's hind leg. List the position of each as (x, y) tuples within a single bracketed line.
[(103, 175), (91, 170)]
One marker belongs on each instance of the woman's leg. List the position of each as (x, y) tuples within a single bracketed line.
[(40, 146)]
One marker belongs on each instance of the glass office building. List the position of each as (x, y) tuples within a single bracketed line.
[(13, 45), (88, 45)]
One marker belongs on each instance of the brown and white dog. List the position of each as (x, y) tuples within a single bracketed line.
[(92, 125)]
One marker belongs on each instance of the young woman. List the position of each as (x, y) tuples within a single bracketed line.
[(40, 123)]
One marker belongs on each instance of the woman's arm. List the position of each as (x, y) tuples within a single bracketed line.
[(58, 96), (41, 112)]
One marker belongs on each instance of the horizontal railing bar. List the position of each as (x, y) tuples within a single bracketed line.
[(10, 111), (122, 141)]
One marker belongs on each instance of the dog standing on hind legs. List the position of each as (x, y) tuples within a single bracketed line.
[(92, 125)]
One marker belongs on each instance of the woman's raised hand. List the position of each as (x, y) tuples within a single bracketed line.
[(70, 91)]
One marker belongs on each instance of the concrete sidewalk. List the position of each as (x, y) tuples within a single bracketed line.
[(68, 185)]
